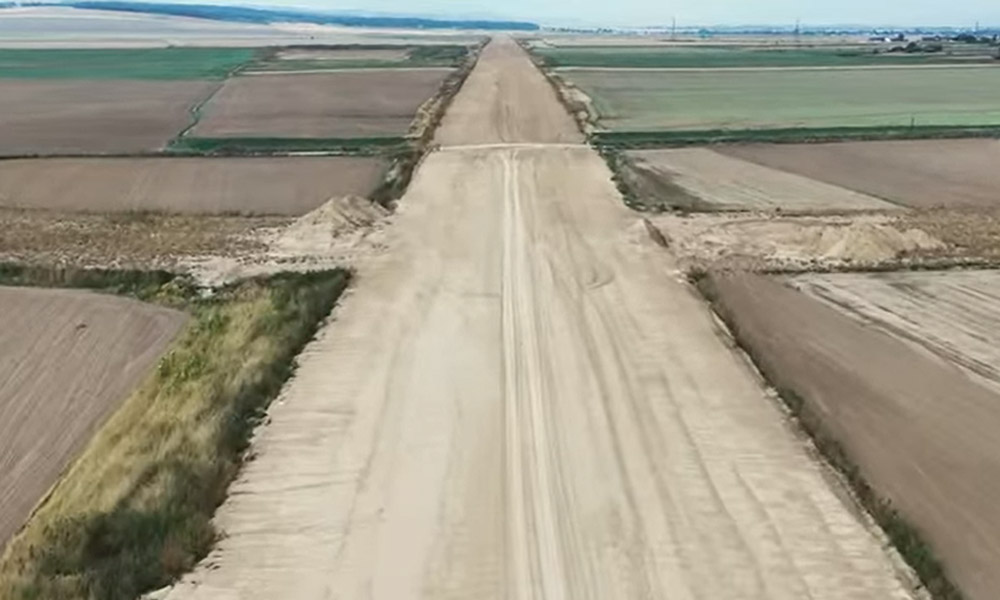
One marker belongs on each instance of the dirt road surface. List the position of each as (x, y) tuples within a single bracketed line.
[(67, 361), (519, 400)]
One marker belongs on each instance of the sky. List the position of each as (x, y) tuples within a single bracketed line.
[(688, 12)]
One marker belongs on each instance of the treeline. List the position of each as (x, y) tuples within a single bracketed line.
[(260, 15)]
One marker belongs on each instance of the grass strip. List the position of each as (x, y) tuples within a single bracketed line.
[(251, 146), (903, 535), (148, 286), (709, 57), (164, 64), (133, 513), (659, 139)]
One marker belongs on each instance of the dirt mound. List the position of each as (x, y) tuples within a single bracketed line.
[(867, 242), (319, 230), (752, 242)]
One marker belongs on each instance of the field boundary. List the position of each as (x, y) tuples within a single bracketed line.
[(272, 146), (794, 135), (904, 537), (134, 511)]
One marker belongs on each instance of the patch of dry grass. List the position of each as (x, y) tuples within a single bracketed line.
[(135, 240), (134, 512)]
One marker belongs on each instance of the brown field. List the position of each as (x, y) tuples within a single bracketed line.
[(279, 186), (952, 314), (69, 359), (94, 117), (922, 431), (345, 104), (911, 173), (714, 181)]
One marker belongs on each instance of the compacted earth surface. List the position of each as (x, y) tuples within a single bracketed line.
[(522, 398)]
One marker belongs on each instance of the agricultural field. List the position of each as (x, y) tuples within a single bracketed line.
[(43, 27), (248, 186), (76, 116), (723, 99), (707, 180), (63, 27), (896, 369), (677, 56), (69, 360), (332, 58), (951, 314), (917, 174), (139, 63), (343, 104)]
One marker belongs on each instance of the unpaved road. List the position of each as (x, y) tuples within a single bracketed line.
[(67, 361), (519, 400)]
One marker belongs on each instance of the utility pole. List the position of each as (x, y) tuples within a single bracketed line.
[(673, 28)]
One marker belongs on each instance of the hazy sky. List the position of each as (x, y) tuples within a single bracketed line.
[(691, 12)]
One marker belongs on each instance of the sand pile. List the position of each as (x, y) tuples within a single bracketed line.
[(867, 242), (320, 230)]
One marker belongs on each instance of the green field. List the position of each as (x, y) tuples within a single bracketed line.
[(734, 56), (451, 56), (776, 99), (144, 63)]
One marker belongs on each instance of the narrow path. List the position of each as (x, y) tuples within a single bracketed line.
[(520, 399)]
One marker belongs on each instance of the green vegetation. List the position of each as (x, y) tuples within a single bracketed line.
[(778, 99), (252, 146), (903, 536), (134, 512), (133, 63), (705, 57), (141, 285), (424, 56), (662, 139)]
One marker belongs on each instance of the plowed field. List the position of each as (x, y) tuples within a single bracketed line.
[(67, 360), (922, 431), (343, 104), (94, 117), (912, 173), (282, 186), (953, 314), (720, 182)]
